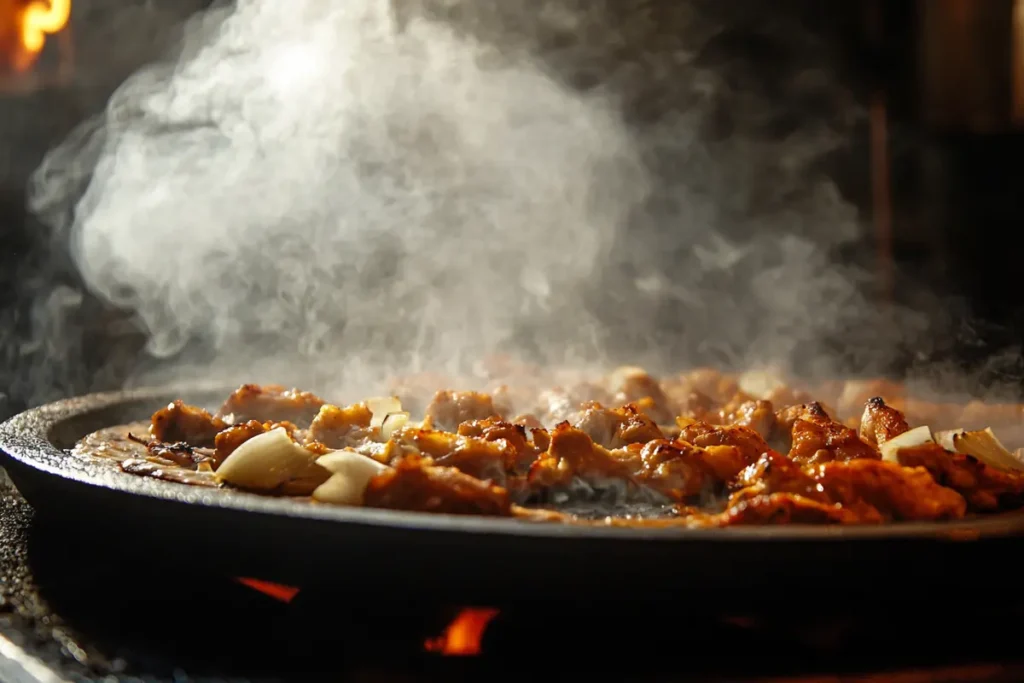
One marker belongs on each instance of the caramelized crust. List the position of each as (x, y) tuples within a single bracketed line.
[(879, 423), (817, 438), (418, 486), (181, 423), (985, 488)]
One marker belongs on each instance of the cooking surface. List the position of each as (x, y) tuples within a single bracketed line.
[(84, 615)]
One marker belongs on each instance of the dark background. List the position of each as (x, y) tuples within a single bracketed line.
[(955, 204)]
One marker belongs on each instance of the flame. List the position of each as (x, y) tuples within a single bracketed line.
[(274, 590), (464, 634), (32, 23)]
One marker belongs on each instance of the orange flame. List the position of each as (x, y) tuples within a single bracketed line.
[(464, 634), (274, 590), (32, 22)]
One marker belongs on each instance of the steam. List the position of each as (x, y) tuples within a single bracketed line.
[(333, 192)]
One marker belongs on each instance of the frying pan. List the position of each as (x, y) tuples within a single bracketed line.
[(193, 531)]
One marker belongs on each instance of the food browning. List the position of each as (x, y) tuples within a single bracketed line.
[(701, 449)]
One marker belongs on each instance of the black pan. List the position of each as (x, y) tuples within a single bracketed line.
[(192, 531)]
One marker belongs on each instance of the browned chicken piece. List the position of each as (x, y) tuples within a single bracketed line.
[(856, 392), (719, 386), (477, 457), (817, 438), (416, 391), (271, 403), (784, 508), (560, 404), (636, 386), (756, 415), (337, 427), (182, 423), (750, 444), (178, 453), (898, 493), (985, 488), (524, 451), (618, 427), (449, 409), (775, 473), (233, 437), (695, 405), (417, 485), (574, 454), (683, 471), (785, 397), (880, 422)]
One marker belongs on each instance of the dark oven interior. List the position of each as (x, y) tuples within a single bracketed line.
[(922, 104)]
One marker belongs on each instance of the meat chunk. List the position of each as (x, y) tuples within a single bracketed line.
[(271, 403), (416, 485), (336, 427), (474, 456), (898, 493), (684, 472), (514, 437), (705, 435), (817, 438), (619, 427), (985, 488), (784, 508), (775, 473), (182, 423), (633, 385), (451, 408), (880, 422), (572, 453), (757, 415), (561, 404)]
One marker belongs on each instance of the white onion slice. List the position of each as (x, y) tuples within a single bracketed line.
[(267, 461), (381, 407), (392, 423), (350, 475), (915, 437)]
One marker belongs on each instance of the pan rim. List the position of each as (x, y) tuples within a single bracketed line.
[(25, 439)]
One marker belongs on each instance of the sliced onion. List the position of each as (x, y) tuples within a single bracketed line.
[(381, 407), (983, 445), (268, 460), (915, 437), (350, 475), (392, 423)]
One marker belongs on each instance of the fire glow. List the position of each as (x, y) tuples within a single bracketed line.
[(32, 22), (463, 637)]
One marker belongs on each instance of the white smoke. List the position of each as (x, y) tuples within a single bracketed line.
[(311, 179)]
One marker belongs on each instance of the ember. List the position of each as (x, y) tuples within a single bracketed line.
[(274, 590), (463, 636), (25, 25)]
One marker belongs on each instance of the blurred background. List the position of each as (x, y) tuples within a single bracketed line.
[(930, 93)]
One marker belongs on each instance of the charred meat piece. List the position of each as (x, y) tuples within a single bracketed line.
[(775, 473), (633, 385), (337, 427), (880, 422), (181, 454), (522, 451), (182, 423), (985, 488), (684, 472), (416, 485), (474, 456), (271, 403), (449, 409), (572, 453), (754, 414), (615, 428), (784, 508), (898, 493), (817, 438), (705, 435)]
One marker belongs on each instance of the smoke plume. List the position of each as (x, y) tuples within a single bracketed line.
[(324, 192)]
